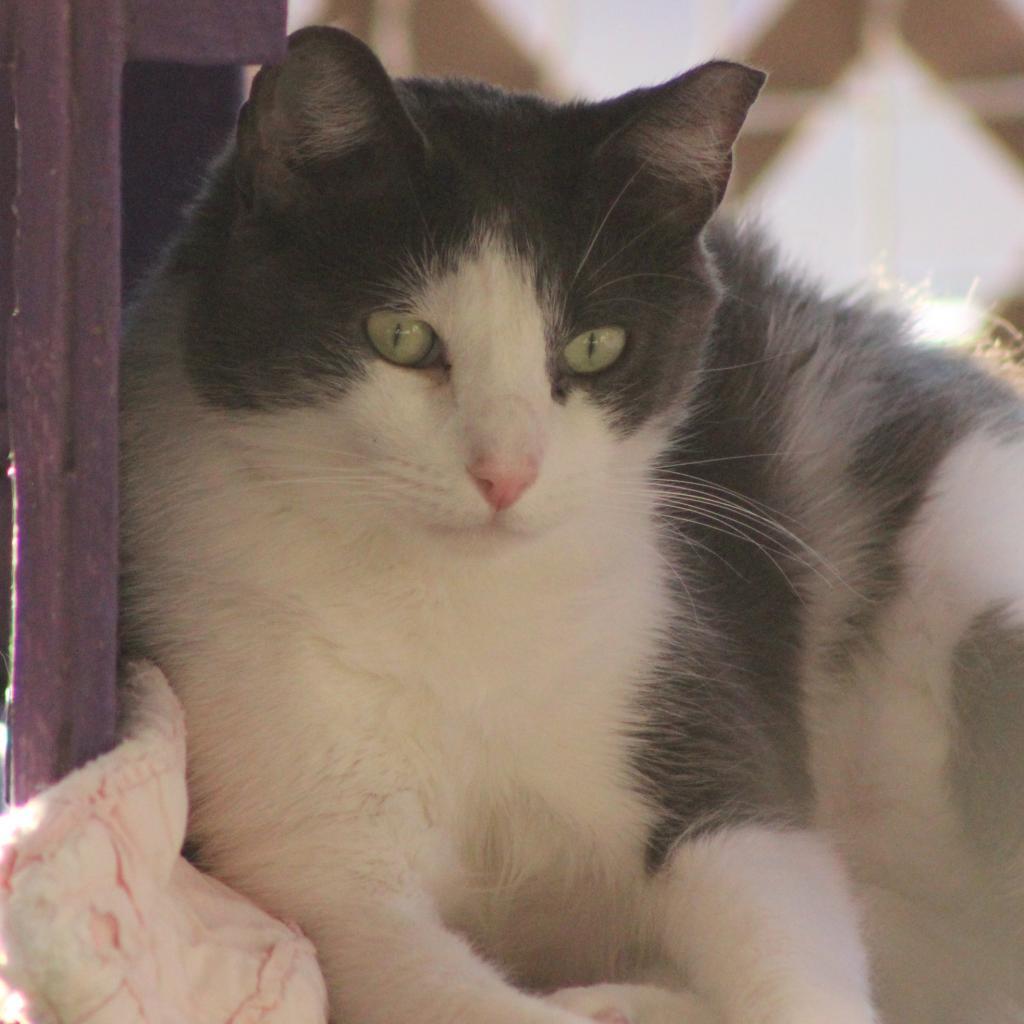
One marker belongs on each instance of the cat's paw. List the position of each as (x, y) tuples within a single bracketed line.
[(634, 1004)]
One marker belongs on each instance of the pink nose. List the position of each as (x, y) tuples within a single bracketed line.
[(502, 483)]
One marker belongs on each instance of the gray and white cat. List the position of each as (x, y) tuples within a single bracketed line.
[(576, 614)]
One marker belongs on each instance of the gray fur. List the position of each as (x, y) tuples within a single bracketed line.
[(987, 771), (828, 417)]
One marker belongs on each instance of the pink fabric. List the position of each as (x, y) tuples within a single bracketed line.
[(101, 920)]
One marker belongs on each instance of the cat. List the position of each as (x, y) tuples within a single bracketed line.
[(577, 614)]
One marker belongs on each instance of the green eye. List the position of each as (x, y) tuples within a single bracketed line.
[(594, 350), (401, 338)]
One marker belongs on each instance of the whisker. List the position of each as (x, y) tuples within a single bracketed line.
[(730, 458), (692, 480), (721, 514), (619, 299), (729, 528), (743, 366), (636, 238), (604, 220), (736, 515), (743, 504), (767, 527), (767, 518), (303, 480), (633, 277)]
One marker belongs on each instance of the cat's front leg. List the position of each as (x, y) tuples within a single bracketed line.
[(763, 922), (635, 1004), (389, 959)]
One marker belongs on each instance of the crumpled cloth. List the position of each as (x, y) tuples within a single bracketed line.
[(103, 922)]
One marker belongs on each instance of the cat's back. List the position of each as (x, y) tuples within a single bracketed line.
[(836, 480)]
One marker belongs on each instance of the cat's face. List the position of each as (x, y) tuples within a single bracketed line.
[(476, 311)]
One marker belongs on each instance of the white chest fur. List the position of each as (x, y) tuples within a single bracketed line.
[(463, 710)]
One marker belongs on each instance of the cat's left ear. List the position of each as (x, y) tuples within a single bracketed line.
[(683, 131), (328, 112)]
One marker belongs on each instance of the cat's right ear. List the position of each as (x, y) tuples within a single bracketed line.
[(327, 106), (680, 134)]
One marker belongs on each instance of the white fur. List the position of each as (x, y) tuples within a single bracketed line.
[(766, 921), (652, 1004)]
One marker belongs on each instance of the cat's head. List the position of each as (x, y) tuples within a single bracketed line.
[(476, 307)]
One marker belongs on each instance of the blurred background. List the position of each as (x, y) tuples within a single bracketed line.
[(887, 148)]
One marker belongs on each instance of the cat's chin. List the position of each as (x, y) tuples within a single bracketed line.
[(498, 531)]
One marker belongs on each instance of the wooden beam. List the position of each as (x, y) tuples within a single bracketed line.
[(461, 37), (6, 32), (7, 185), (206, 31), (754, 153), (979, 39), (62, 384), (810, 43), (977, 49), (354, 15), (806, 49), (1010, 134), (991, 99)]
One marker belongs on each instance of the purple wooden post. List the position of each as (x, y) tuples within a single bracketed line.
[(63, 384), (63, 348), (7, 145)]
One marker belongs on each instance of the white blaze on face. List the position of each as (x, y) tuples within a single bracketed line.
[(489, 315)]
